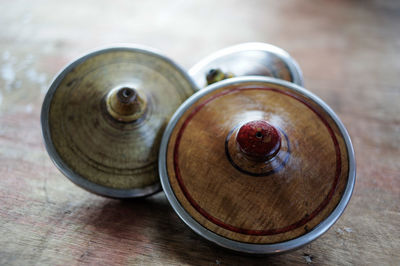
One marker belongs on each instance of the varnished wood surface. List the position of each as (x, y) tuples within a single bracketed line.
[(348, 51), (94, 144), (239, 199)]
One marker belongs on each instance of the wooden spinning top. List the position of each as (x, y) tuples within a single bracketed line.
[(104, 115), (257, 165), (246, 59)]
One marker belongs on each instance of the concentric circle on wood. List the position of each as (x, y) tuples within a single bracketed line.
[(115, 154), (257, 209)]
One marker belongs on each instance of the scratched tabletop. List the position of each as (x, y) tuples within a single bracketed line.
[(349, 52)]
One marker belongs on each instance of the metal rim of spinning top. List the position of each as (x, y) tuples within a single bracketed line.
[(254, 179), (104, 114), (247, 59)]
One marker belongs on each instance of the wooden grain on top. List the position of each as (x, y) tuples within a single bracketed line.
[(239, 201), (90, 141), (349, 54)]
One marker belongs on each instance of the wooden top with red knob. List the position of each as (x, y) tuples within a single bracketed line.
[(256, 162)]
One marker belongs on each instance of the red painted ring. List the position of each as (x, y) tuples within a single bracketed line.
[(232, 228)]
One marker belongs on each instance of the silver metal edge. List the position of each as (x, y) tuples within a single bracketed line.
[(261, 249), (44, 119), (293, 66)]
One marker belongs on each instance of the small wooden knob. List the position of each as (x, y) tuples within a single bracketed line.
[(258, 140), (126, 104)]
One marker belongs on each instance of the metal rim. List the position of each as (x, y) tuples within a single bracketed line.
[(56, 158), (293, 66), (246, 247)]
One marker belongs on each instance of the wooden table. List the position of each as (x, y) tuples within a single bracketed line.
[(349, 53)]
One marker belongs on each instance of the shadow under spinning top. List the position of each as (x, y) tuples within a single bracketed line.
[(104, 115)]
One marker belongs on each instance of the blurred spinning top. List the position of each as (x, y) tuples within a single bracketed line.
[(104, 115), (246, 59)]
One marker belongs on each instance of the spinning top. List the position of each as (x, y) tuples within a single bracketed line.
[(104, 115), (257, 165), (246, 59)]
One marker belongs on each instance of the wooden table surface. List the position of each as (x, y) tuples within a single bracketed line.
[(348, 51)]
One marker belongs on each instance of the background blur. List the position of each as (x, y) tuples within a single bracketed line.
[(349, 54)]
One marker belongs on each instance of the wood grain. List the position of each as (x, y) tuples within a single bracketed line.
[(93, 143), (349, 54), (242, 204)]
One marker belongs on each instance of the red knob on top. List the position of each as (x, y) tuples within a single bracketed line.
[(259, 140)]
